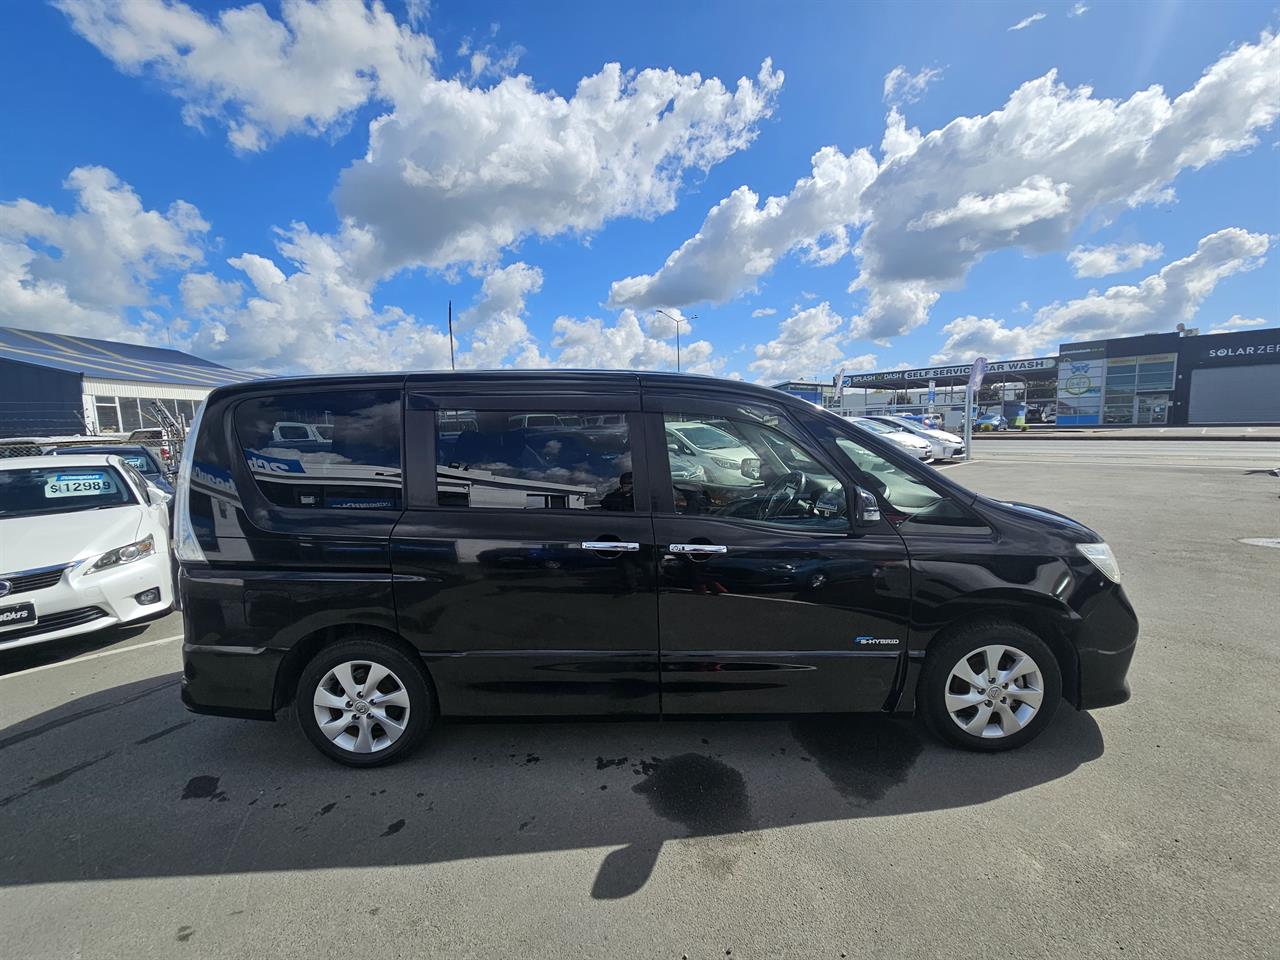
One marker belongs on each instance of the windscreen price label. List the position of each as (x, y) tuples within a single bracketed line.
[(79, 485)]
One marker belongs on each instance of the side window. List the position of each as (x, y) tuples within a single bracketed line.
[(751, 470), (533, 461), (338, 450), (912, 502)]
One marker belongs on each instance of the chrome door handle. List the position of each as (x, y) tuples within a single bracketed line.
[(612, 546), (697, 548)]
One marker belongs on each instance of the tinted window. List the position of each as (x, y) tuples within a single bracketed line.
[(532, 461), (338, 450), (910, 499), (37, 490), (750, 470)]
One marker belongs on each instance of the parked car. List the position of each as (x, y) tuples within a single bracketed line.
[(153, 437), (841, 576), (943, 445), (85, 543), (143, 459), (991, 421), (917, 447), (719, 453)]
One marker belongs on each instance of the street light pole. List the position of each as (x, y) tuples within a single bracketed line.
[(677, 322)]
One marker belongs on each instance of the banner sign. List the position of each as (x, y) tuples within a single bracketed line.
[(958, 370), (977, 373)]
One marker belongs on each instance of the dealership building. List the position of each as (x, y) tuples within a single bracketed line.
[(1171, 379), (57, 385)]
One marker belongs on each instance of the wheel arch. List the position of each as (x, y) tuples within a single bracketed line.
[(310, 645), (1047, 619)]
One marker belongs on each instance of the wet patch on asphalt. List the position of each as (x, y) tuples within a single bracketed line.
[(202, 788), (862, 756), (705, 795)]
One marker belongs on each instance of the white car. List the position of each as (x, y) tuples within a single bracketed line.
[(84, 544), (918, 447), (946, 446), (719, 453)]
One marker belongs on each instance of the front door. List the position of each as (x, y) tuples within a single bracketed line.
[(527, 582), (769, 599)]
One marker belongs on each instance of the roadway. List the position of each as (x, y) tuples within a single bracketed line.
[(1206, 454), (129, 827)]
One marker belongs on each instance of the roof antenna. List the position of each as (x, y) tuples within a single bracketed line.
[(451, 366)]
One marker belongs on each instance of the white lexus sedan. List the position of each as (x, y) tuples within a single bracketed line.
[(84, 544)]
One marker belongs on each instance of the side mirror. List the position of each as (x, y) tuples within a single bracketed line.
[(868, 509), (673, 448), (751, 468), (155, 494)]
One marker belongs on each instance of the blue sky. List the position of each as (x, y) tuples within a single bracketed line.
[(208, 176)]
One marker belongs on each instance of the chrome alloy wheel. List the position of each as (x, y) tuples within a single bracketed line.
[(994, 691), (361, 706)]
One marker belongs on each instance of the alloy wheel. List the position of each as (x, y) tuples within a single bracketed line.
[(361, 706), (994, 691)]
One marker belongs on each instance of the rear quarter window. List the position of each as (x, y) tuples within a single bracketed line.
[(337, 450)]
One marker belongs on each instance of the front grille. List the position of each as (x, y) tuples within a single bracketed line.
[(50, 622), (35, 580)]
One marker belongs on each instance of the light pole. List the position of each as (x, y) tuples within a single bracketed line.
[(677, 322)]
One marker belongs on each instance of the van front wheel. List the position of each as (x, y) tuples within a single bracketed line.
[(992, 686), (364, 703)]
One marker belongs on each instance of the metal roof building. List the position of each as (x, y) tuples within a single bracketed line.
[(53, 384)]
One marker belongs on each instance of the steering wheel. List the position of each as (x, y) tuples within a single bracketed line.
[(783, 492)]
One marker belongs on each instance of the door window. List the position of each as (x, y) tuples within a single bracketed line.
[(337, 450), (750, 470), (518, 460), (910, 499)]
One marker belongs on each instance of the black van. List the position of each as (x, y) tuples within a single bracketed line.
[(601, 544)]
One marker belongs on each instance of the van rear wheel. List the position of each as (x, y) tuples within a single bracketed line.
[(364, 703), (991, 686)]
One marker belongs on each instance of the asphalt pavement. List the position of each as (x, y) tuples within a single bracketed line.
[(129, 827)]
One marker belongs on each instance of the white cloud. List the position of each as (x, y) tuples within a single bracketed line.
[(1112, 258), (1238, 322), (1156, 303), (624, 345), (499, 334), (1028, 21), (78, 272), (457, 174), (201, 291), (318, 318), (741, 240), (901, 87), (1025, 176), (763, 312), (1078, 10), (809, 344), (258, 76)]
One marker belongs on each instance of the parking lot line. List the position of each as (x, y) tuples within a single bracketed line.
[(91, 656)]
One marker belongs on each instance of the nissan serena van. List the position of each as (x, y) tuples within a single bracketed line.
[(538, 544)]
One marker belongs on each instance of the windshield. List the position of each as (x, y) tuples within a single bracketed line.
[(39, 490), (708, 438)]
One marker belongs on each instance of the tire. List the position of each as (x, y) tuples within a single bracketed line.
[(370, 739), (947, 701)]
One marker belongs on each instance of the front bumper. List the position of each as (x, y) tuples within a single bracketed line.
[(81, 602), (1105, 642)]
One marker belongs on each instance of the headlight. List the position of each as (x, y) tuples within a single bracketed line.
[(127, 554), (1100, 555), (727, 464)]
